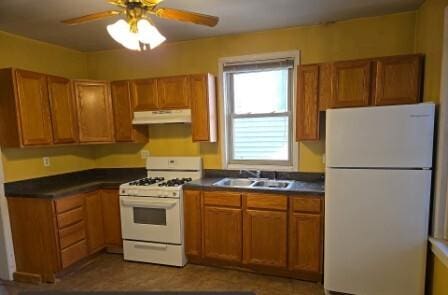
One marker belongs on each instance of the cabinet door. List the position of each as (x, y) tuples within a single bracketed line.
[(308, 103), (324, 86), (398, 80), (306, 242), (193, 223), (33, 108), (351, 84), (94, 222), (62, 107), (123, 111), (144, 94), (94, 111), (265, 238), (174, 92), (222, 234), (203, 108), (110, 200)]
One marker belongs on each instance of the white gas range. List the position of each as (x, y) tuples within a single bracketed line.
[(152, 211)]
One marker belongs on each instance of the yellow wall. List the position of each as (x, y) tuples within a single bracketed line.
[(358, 38), (439, 278), (42, 57)]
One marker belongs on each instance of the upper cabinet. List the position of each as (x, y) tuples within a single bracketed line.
[(203, 108), (398, 80), (123, 106), (24, 109), (144, 94), (308, 103), (360, 83), (174, 92), (63, 113), (94, 111), (351, 84)]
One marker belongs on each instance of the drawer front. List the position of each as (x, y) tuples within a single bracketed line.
[(74, 253), (265, 201), (70, 217), (306, 204), (72, 234), (225, 199), (69, 203)]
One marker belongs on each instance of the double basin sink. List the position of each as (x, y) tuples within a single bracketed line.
[(254, 183)]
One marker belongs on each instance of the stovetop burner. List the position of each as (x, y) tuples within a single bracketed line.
[(175, 182), (147, 181)]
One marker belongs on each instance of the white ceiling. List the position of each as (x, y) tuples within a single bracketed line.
[(40, 19)]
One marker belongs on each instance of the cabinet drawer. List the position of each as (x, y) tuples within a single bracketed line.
[(74, 253), (69, 203), (226, 199), (72, 234), (70, 217), (306, 204), (264, 201)]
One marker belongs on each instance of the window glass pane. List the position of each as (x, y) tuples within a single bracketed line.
[(261, 92), (263, 138), (151, 216)]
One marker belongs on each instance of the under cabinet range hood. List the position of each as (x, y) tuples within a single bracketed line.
[(162, 117)]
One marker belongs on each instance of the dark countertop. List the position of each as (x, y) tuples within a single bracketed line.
[(52, 187), (305, 183)]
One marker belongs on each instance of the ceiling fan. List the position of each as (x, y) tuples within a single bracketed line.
[(138, 31)]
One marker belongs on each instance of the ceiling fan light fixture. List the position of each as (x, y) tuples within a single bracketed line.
[(120, 31), (149, 34)]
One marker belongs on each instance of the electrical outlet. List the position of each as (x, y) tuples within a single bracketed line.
[(144, 154), (46, 161), (323, 158)]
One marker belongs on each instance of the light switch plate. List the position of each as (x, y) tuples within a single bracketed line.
[(46, 161), (323, 158), (144, 154)]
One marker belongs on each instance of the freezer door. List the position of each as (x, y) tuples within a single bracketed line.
[(376, 228), (381, 137)]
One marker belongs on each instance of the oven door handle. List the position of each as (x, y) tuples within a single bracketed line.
[(150, 246), (166, 204)]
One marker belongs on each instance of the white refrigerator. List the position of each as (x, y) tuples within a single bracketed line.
[(377, 196)]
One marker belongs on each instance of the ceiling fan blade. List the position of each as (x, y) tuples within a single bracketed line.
[(91, 17), (186, 16)]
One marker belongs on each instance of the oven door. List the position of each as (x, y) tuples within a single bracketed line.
[(151, 219)]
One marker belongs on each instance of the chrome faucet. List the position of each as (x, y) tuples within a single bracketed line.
[(256, 174)]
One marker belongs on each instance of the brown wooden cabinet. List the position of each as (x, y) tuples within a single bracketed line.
[(94, 222), (203, 108), (144, 94), (63, 113), (123, 112), (110, 200), (173, 92), (193, 223), (265, 230), (222, 226), (306, 235), (398, 80), (94, 111), (351, 84), (324, 86), (307, 114)]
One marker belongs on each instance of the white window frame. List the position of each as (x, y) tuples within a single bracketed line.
[(224, 132)]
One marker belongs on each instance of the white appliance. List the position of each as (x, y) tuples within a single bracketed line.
[(377, 196), (162, 117), (7, 259), (152, 211)]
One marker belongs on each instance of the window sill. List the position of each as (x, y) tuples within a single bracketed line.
[(261, 167), (440, 249)]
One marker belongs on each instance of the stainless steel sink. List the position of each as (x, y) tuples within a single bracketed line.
[(254, 183), (235, 182), (274, 184)]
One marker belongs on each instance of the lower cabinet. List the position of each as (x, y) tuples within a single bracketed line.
[(94, 222), (63, 231), (269, 233)]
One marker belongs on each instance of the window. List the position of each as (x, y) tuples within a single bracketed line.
[(258, 115)]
